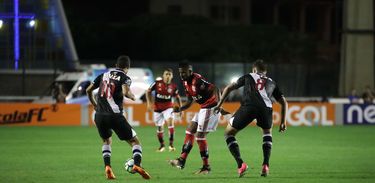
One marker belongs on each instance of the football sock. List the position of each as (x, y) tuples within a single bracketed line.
[(160, 137), (267, 145), (203, 148), (234, 149), (106, 150), (137, 154), (188, 144), (171, 135)]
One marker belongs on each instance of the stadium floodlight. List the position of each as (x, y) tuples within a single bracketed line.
[(1, 23), (234, 79), (31, 23)]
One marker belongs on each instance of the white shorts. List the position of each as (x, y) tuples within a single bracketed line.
[(207, 120), (161, 117)]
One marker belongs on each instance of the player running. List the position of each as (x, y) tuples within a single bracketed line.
[(205, 121), (113, 86), (163, 106), (256, 104)]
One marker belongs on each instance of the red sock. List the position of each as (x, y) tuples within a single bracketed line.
[(160, 137), (203, 148), (188, 144)]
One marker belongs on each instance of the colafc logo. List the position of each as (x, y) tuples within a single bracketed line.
[(23, 116)]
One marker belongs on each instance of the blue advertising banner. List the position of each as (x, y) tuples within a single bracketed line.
[(359, 114)]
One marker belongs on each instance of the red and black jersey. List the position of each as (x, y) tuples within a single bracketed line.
[(163, 95), (201, 91)]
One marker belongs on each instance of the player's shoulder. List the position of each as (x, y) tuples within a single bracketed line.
[(197, 76)]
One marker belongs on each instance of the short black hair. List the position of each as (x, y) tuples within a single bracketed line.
[(123, 62), (168, 69), (260, 65), (185, 65)]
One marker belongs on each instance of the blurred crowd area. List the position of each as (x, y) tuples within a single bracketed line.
[(366, 96)]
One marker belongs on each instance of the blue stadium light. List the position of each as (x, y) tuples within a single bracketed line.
[(16, 15)]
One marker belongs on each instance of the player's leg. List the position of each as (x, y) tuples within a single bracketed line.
[(170, 123), (137, 157), (265, 122), (126, 133), (105, 133), (242, 117), (203, 150), (267, 145), (207, 122), (159, 123), (168, 115), (187, 146)]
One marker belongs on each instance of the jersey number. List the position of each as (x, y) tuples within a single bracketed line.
[(260, 84), (107, 89)]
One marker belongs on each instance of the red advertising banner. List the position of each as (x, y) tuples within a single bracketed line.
[(26, 114)]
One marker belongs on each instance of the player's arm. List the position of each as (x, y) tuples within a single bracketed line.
[(149, 97), (89, 91), (127, 92), (226, 92), (284, 106), (187, 104), (233, 86), (91, 88)]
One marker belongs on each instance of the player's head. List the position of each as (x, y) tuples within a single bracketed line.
[(185, 70), (167, 75), (123, 62), (259, 66)]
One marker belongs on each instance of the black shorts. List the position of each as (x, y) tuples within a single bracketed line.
[(105, 123), (246, 114)]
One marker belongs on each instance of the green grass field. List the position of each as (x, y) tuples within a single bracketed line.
[(302, 154)]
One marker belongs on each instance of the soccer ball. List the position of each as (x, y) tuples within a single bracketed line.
[(129, 165)]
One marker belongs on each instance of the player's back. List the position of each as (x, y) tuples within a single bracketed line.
[(110, 97), (258, 90)]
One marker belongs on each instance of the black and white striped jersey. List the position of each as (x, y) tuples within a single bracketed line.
[(110, 97), (258, 90)]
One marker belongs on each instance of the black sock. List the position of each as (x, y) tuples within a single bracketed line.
[(106, 150), (137, 155), (234, 149), (267, 145)]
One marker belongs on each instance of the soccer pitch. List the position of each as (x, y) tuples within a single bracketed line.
[(302, 154)]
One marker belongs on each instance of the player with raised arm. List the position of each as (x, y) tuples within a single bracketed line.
[(113, 86), (206, 95), (256, 104), (164, 89)]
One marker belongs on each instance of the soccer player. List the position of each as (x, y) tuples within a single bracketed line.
[(113, 86), (256, 104), (163, 106), (205, 121)]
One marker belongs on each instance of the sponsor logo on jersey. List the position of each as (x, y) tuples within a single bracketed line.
[(198, 97), (23, 116), (163, 96)]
